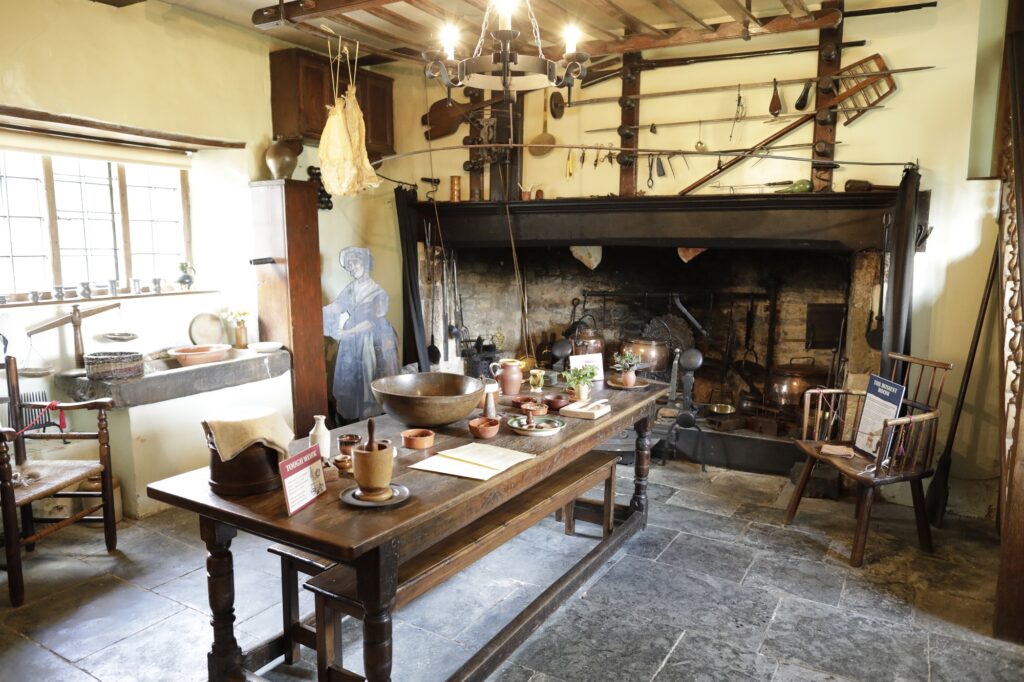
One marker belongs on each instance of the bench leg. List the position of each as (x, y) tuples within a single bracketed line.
[(866, 497), (569, 514), (289, 608), (608, 523), (328, 639)]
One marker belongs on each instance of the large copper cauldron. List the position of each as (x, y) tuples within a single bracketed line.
[(654, 354)]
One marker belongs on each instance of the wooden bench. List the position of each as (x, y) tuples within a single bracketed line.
[(334, 586)]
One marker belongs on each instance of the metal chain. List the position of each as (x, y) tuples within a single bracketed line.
[(479, 49), (535, 28)]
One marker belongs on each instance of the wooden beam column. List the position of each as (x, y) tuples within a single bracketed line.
[(830, 54), (476, 156), (507, 168), (630, 117)]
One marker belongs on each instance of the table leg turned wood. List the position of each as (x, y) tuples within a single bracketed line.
[(224, 662), (642, 464), (377, 584)]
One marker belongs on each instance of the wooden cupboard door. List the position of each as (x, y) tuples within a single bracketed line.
[(315, 95), (375, 99)]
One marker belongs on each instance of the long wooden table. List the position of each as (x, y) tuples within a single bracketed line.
[(376, 542)]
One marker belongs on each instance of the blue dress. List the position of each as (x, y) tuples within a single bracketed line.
[(368, 354)]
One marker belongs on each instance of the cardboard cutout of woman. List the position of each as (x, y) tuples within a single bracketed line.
[(367, 343)]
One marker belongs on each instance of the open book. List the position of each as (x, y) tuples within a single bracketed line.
[(475, 460)]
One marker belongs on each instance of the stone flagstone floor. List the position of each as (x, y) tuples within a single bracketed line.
[(715, 589)]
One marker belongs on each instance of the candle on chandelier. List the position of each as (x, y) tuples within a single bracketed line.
[(572, 36), (505, 9), (449, 36)]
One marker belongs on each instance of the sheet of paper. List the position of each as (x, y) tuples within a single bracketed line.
[(595, 360), (453, 467), (490, 456)]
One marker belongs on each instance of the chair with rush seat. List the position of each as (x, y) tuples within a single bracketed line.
[(832, 415), (26, 482)]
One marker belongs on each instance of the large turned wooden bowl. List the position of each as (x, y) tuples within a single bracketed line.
[(428, 399)]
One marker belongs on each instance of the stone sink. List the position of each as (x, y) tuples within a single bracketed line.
[(166, 379)]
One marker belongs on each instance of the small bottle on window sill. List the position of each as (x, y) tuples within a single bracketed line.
[(241, 334)]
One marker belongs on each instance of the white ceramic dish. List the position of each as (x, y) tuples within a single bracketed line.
[(266, 346), (199, 355)]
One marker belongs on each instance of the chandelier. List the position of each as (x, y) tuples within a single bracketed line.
[(504, 69)]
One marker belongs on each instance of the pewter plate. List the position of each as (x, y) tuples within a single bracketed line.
[(518, 424), (207, 329), (120, 336), (400, 496)]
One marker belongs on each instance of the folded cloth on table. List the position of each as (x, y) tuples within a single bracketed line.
[(236, 428)]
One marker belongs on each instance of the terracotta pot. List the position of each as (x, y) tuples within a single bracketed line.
[(509, 374), (628, 379), (372, 471), (282, 159)]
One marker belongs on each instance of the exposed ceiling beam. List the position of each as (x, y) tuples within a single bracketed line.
[(396, 19), (827, 18), (304, 10), (389, 38), (679, 12), (797, 9), (369, 46), (525, 32), (632, 22), (435, 10), (738, 11), (566, 17)]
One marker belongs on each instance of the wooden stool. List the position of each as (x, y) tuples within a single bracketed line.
[(335, 587), (293, 562)]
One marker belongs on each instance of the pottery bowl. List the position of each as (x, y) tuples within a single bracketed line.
[(199, 355), (556, 401), (347, 443), (484, 427), (520, 400), (428, 399), (418, 439), (534, 409)]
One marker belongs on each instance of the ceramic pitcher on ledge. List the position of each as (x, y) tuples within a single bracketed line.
[(509, 373)]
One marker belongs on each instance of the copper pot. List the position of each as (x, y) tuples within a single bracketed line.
[(588, 341), (654, 354), (789, 382)]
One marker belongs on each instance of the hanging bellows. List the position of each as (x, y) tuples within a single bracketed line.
[(344, 166)]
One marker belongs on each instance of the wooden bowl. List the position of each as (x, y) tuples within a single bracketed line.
[(556, 401), (418, 439), (520, 400), (484, 427), (428, 399)]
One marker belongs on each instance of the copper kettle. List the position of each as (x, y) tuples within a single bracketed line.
[(588, 341), (654, 354)]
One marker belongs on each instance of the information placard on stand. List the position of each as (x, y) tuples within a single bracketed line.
[(302, 478)]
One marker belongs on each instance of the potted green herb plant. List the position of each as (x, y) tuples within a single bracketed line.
[(579, 379), (625, 363)]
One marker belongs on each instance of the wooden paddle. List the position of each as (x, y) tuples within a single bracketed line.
[(445, 119)]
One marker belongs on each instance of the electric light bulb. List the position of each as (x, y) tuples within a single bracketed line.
[(449, 36), (505, 9), (572, 36)]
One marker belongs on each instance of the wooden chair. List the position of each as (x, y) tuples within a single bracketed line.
[(832, 415), (48, 478)]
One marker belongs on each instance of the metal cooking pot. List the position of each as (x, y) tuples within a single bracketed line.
[(588, 341), (652, 353), (789, 382)]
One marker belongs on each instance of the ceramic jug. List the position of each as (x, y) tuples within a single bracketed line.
[(321, 436), (509, 373)]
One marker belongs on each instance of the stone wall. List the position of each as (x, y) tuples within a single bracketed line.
[(717, 287)]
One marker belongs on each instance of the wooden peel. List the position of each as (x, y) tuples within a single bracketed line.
[(775, 106), (444, 119)]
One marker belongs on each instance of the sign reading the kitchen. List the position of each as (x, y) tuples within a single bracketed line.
[(882, 403), (302, 478)]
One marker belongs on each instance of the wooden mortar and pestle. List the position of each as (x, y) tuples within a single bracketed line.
[(372, 467)]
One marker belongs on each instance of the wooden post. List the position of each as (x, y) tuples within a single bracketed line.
[(630, 117), (830, 53), (476, 175), (224, 661)]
